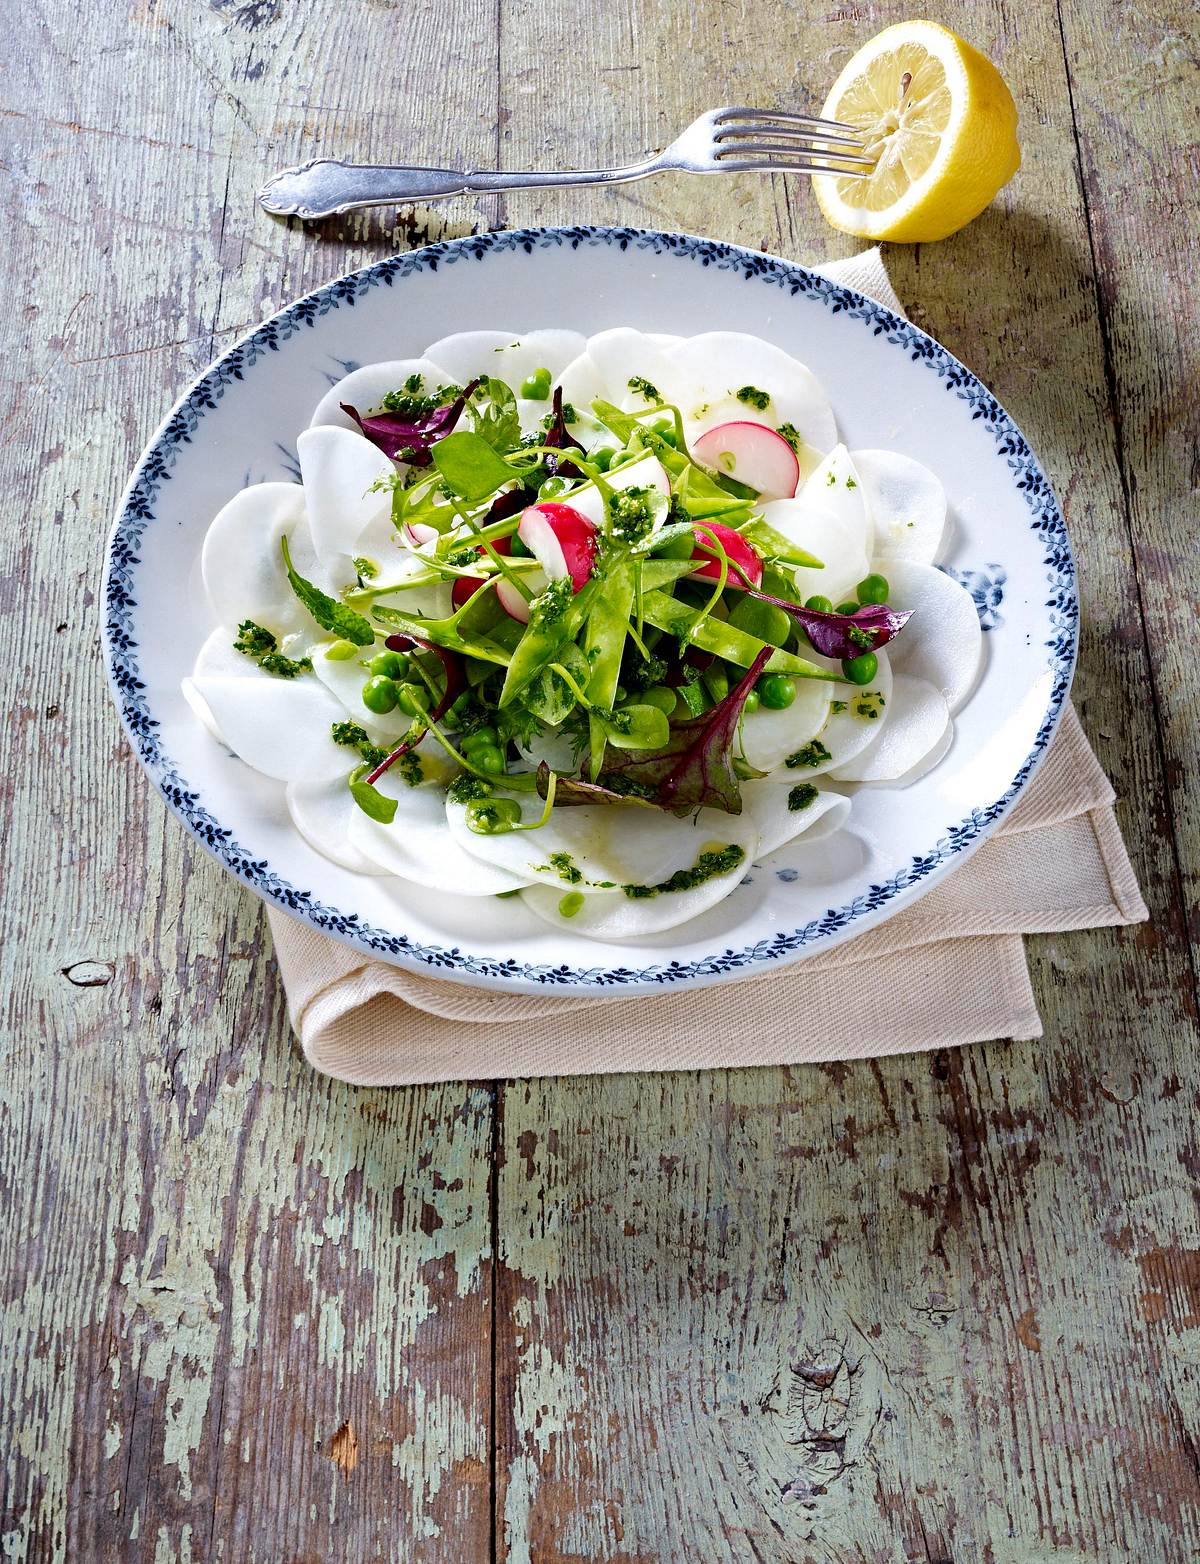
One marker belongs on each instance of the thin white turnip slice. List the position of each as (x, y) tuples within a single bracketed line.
[(917, 720), (780, 816), (826, 536), (611, 915), (769, 737), (618, 844), (417, 847), (614, 359), (280, 727), (322, 812), (217, 659), (906, 505), (835, 487), (241, 561), (339, 470), (508, 356), (709, 370), (942, 642), (364, 388)]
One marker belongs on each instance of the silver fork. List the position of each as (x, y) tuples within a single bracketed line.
[(723, 141)]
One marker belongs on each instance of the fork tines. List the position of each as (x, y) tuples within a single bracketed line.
[(778, 139)]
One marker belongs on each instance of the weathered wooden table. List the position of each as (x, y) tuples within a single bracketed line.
[(933, 1308)]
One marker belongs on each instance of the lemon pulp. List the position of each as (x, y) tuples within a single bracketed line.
[(939, 126)]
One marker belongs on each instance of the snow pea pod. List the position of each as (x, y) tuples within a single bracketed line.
[(723, 639), (658, 573), (545, 637), (773, 545), (604, 646), (445, 633)]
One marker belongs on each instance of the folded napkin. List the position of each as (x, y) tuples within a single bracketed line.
[(948, 970)]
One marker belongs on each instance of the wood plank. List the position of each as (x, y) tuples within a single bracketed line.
[(245, 1310), (1137, 168), (923, 1308)]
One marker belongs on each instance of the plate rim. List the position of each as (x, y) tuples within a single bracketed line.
[(956, 842)]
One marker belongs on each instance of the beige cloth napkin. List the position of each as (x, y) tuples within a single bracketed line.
[(950, 969)]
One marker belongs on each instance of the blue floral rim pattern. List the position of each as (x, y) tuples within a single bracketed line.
[(155, 470)]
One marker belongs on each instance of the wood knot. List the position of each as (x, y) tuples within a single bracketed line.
[(819, 1375), (89, 974), (343, 1448)]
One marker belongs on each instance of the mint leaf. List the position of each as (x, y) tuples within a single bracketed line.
[(470, 466), (370, 800), (499, 422), (327, 611)]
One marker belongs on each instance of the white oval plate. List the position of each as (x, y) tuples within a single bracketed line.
[(890, 385)]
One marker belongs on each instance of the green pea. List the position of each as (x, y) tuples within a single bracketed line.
[(819, 604), (537, 387), (752, 702), (413, 699), (873, 589), (341, 651), (664, 428), (861, 669), (487, 758), (570, 904), (659, 696), (681, 547), (762, 620), (622, 694), (519, 547), (480, 736), (848, 607), (603, 457), (776, 691), (389, 665), (380, 695)]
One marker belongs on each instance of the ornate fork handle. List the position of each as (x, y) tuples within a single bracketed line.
[(326, 186)]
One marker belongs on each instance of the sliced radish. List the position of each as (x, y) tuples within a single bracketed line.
[(418, 532), (645, 473), (514, 603), (745, 567), (464, 587), (562, 540), (467, 586), (752, 454)]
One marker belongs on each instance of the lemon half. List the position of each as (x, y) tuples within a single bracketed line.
[(940, 124)]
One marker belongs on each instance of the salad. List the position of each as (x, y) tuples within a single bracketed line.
[(594, 623)]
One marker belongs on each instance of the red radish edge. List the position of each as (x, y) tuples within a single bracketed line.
[(745, 567), (762, 458), (467, 586), (561, 540), (418, 532)]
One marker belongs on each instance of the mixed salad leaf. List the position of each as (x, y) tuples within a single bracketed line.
[(611, 591)]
